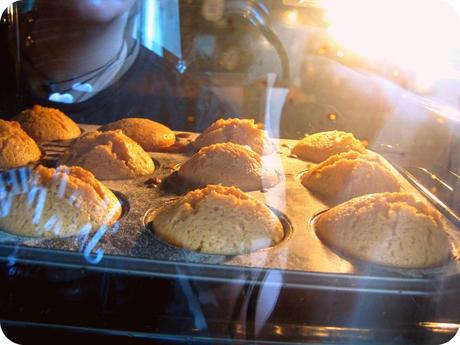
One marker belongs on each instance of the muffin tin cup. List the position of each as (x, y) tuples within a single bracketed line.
[(150, 215), (123, 200), (374, 267)]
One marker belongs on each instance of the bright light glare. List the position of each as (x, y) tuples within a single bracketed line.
[(420, 36), (290, 17)]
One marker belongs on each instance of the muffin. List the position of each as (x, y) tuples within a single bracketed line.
[(320, 146), (109, 156), (218, 220), (47, 124), (350, 174), (237, 131), (391, 229), (227, 164), (17, 148), (57, 203), (151, 135)]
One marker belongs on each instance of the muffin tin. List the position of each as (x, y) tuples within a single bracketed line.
[(300, 250)]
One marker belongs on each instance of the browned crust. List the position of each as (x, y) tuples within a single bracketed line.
[(109, 155), (228, 164), (350, 174), (238, 131), (16, 147), (218, 220), (92, 196), (320, 146), (149, 134), (392, 229), (47, 124)]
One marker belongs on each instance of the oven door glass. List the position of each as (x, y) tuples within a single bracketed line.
[(241, 170)]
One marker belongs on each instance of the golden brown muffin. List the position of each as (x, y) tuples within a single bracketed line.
[(47, 124), (218, 220), (57, 203), (16, 147), (391, 229), (237, 131), (149, 134), (320, 146), (350, 174), (230, 165), (109, 156)]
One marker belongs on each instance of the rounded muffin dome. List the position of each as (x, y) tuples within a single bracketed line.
[(70, 199), (218, 220), (320, 146), (149, 134), (47, 124), (391, 229), (109, 156), (237, 131), (17, 148), (230, 165), (350, 174)]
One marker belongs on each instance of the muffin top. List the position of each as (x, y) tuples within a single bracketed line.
[(320, 146), (17, 148), (218, 220), (109, 155), (151, 135), (47, 124), (230, 165), (237, 131), (391, 229), (349, 174), (61, 202), (90, 195)]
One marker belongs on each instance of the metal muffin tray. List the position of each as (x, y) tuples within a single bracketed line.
[(126, 281), (300, 250)]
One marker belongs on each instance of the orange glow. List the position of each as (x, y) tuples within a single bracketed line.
[(440, 327), (332, 117)]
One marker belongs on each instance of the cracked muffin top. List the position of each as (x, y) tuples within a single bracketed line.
[(109, 155), (59, 202), (320, 146), (230, 165), (391, 229), (218, 220), (348, 175), (237, 131)]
